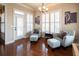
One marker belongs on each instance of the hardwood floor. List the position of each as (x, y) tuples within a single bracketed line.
[(24, 47), (2, 49)]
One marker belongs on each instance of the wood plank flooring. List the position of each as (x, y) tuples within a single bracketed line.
[(2, 49), (24, 47)]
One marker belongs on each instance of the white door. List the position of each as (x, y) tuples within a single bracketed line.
[(18, 26)]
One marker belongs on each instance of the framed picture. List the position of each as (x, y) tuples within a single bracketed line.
[(70, 17), (73, 17), (37, 20), (67, 17)]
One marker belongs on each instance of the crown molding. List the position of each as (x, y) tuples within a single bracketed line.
[(26, 6)]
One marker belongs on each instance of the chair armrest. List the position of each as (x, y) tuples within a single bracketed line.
[(69, 37)]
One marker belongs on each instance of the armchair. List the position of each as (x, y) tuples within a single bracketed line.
[(68, 39), (34, 37)]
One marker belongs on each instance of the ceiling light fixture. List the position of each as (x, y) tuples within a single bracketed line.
[(43, 8)]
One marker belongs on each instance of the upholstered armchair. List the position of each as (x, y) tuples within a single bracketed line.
[(68, 39), (34, 37)]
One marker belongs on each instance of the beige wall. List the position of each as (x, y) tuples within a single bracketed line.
[(9, 20), (63, 8), (71, 8)]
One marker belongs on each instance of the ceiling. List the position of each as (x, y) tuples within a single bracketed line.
[(36, 5)]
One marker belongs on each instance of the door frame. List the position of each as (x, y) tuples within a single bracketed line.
[(14, 23)]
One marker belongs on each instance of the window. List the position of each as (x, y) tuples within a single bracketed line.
[(2, 23), (45, 23), (50, 24), (29, 22), (54, 21)]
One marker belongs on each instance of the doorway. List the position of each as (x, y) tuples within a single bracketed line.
[(18, 25)]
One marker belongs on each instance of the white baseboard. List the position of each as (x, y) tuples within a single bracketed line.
[(9, 42)]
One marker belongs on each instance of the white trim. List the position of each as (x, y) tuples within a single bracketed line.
[(9, 42), (6, 22), (26, 6), (18, 12)]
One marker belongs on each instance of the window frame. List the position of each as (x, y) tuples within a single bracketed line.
[(30, 23), (50, 17)]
